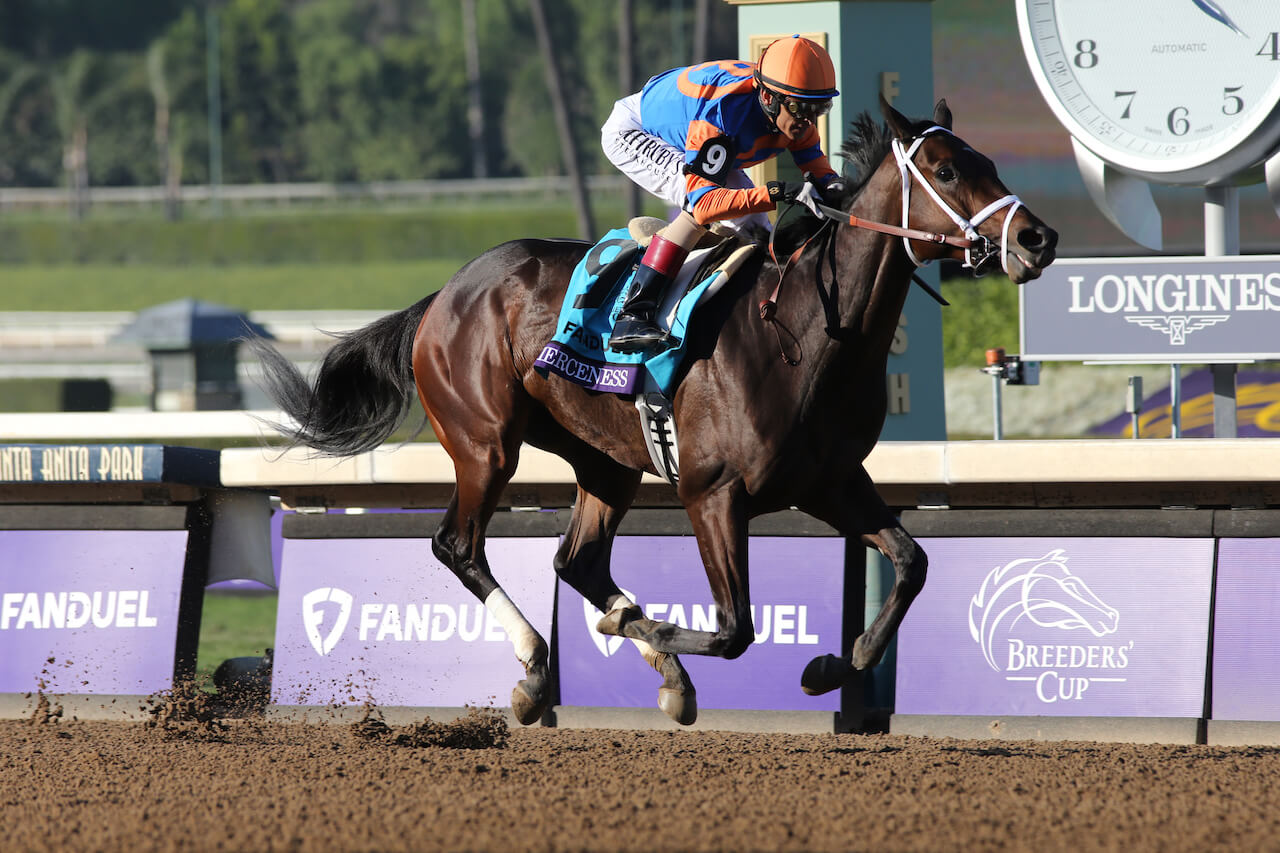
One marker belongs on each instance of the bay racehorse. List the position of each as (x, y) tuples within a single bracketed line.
[(757, 432)]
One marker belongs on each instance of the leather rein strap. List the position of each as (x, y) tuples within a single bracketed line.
[(769, 307), (897, 230)]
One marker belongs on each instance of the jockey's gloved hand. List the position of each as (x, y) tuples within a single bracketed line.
[(785, 191), (834, 192), (795, 192)]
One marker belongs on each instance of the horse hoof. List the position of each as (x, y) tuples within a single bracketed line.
[(679, 705), (529, 697), (824, 674), (527, 709)]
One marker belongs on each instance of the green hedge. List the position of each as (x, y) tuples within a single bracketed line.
[(983, 315), (248, 287), (292, 237), (358, 259)]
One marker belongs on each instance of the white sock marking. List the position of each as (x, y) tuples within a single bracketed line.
[(646, 651), (523, 637)]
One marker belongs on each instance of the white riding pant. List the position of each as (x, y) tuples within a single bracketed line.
[(656, 166)]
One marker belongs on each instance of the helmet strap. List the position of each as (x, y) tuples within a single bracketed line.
[(771, 111)]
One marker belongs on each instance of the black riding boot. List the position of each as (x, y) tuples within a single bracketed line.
[(635, 330)]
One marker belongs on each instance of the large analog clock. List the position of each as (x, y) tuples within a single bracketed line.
[(1171, 91)]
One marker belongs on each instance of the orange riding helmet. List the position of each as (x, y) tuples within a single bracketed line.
[(798, 67)]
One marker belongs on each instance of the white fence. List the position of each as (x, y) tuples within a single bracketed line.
[(1057, 473)]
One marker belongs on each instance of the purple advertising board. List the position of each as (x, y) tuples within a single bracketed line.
[(1083, 627), (797, 585), (89, 611), (382, 621), (1246, 644)]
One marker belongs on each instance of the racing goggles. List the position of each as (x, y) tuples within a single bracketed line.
[(806, 109)]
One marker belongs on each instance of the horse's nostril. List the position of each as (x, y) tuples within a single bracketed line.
[(1039, 238)]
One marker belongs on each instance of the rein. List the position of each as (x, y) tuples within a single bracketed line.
[(769, 307), (972, 242)]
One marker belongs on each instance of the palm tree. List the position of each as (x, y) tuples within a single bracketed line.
[(170, 155), (568, 145)]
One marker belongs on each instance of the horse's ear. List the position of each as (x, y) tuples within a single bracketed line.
[(898, 123), (942, 114)]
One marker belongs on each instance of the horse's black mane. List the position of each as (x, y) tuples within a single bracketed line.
[(864, 149)]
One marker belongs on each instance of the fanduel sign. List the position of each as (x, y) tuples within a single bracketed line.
[(381, 620), (1058, 627), (796, 589), (1160, 309), (89, 611)]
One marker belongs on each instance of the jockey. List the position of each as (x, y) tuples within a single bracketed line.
[(688, 136)]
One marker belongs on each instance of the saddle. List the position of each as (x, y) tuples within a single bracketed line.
[(580, 352)]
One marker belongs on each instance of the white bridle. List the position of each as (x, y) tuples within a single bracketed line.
[(907, 167)]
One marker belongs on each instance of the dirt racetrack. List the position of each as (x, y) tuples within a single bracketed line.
[(255, 785)]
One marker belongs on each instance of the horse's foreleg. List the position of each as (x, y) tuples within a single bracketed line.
[(909, 566), (720, 525), (859, 511), (583, 563)]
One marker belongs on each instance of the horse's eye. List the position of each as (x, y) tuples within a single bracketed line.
[(946, 174)]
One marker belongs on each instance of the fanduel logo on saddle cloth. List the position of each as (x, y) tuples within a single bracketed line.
[(580, 349), (1099, 627)]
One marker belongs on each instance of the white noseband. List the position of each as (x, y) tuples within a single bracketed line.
[(907, 167)]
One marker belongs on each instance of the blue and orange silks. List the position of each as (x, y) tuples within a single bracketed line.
[(686, 107)]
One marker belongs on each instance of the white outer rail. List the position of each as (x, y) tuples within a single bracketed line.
[(1246, 460), (1213, 470), (100, 427)]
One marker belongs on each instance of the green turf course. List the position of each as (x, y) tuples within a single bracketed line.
[(234, 626)]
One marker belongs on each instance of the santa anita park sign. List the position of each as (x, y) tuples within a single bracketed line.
[(1177, 310)]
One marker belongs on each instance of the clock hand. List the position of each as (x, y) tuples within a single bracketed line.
[(1213, 10)]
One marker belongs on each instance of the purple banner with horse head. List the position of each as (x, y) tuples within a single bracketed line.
[(796, 585), (382, 621), (1246, 638), (1058, 627), (89, 611)]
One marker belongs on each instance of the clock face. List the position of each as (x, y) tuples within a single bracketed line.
[(1179, 91)]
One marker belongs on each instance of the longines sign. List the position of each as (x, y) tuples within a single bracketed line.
[(1154, 310)]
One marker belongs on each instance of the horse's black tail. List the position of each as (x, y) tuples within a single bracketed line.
[(362, 392)]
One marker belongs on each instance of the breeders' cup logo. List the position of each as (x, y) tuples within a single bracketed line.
[(1042, 592), (313, 613)]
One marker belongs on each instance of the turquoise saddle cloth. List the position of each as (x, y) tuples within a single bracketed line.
[(597, 290)]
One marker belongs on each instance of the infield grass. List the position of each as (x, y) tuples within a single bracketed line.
[(234, 625), (389, 285)]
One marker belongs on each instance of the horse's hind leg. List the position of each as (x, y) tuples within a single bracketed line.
[(459, 544), (858, 510), (483, 437), (583, 563)]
